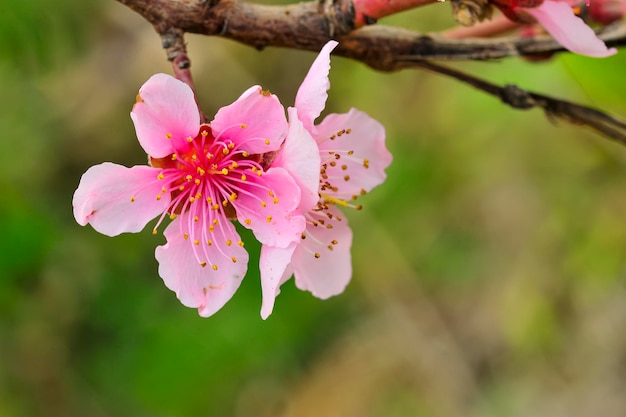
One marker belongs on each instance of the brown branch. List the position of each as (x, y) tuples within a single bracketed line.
[(557, 109), (309, 25)]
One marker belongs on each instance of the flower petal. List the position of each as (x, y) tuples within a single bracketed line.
[(312, 94), (329, 273), (115, 199), (255, 122), (165, 115), (275, 269), (208, 287), (269, 208), (569, 30), (356, 159), (300, 156)]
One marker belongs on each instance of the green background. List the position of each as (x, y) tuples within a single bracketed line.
[(489, 270)]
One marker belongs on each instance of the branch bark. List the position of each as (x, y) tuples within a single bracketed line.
[(309, 25)]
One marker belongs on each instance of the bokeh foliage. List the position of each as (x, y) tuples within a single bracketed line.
[(489, 269)]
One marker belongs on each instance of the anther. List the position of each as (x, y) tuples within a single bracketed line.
[(346, 178), (209, 155), (154, 231), (348, 131), (174, 157), (158, 197), (275, 201), (240, 243), (334, 242), (245, 154), (330, 247), (317, 255), (225, 151), (225, 171), (185, 236), (248, 222), (268, 219), (195, 218), (160, 176), (196, 242), (214, 267), (203, 264), (366, 163), (229, 242), (243, 177), (267, 141), (243, 125), (204, 133), (189, 139), (209, 242), (132, 199), (168, 136), (350, 152), (181, 188), (234, 259), (344, 167)]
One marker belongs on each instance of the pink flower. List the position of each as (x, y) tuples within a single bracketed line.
[(558, 18), (200, 176), (352, 157)]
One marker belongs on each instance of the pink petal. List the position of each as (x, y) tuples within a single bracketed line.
[(362, 154), (204, 288), (312, 94), (301, 158), (255, 122), (569, 30), (275, 270), (269, 208), (165, 116), (328, 274), (115, 199)]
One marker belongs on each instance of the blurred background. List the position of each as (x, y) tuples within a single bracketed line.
[(489, 270)]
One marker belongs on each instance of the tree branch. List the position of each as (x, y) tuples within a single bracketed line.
[(309, 25)]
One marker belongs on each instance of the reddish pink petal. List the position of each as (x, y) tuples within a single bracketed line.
[(355, 144), (329, 273), (312, 94), (301, 158), (208, 287), (165, 115), (270, 208), (275, 270), (569, 30), (255, 122), (115, 199)]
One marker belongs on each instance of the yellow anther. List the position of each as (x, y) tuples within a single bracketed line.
[(174, 157), (173, 216), (209, 200), (267, 141), (259, 172), (189, 139), (209, 155), (330, 247), (200, 171), (196, 242), (163, 190), (215, 221), (348, 131), (231, 146), (350, 152), (229, 242), (245, 154), (263, 204), (303, 235), (188, 177), (271, 193), (168, 136), (160, 176), (363, 192), (154, 231), (344, 167), (211, 228), (192, 199), (132, 199), (204, 133), (158, 197), (225, 171), (275, 201), (198, 195), (240, 243), (243, 125), (215, 206), (225, 151), (234, 259), (346, 178), (232, 197), (317, 255), (194, 157), (268, 219), (234, 165), (243, 177), (334, 242), (366, 163), (195, 218), (185, 236), (181, 188), (197, 181), (214, 267), (225, 203), (209, 242), (333, 163), (341, 132), (203, 264), (248, 222)]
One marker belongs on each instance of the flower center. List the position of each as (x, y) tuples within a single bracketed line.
[(208, 170)]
